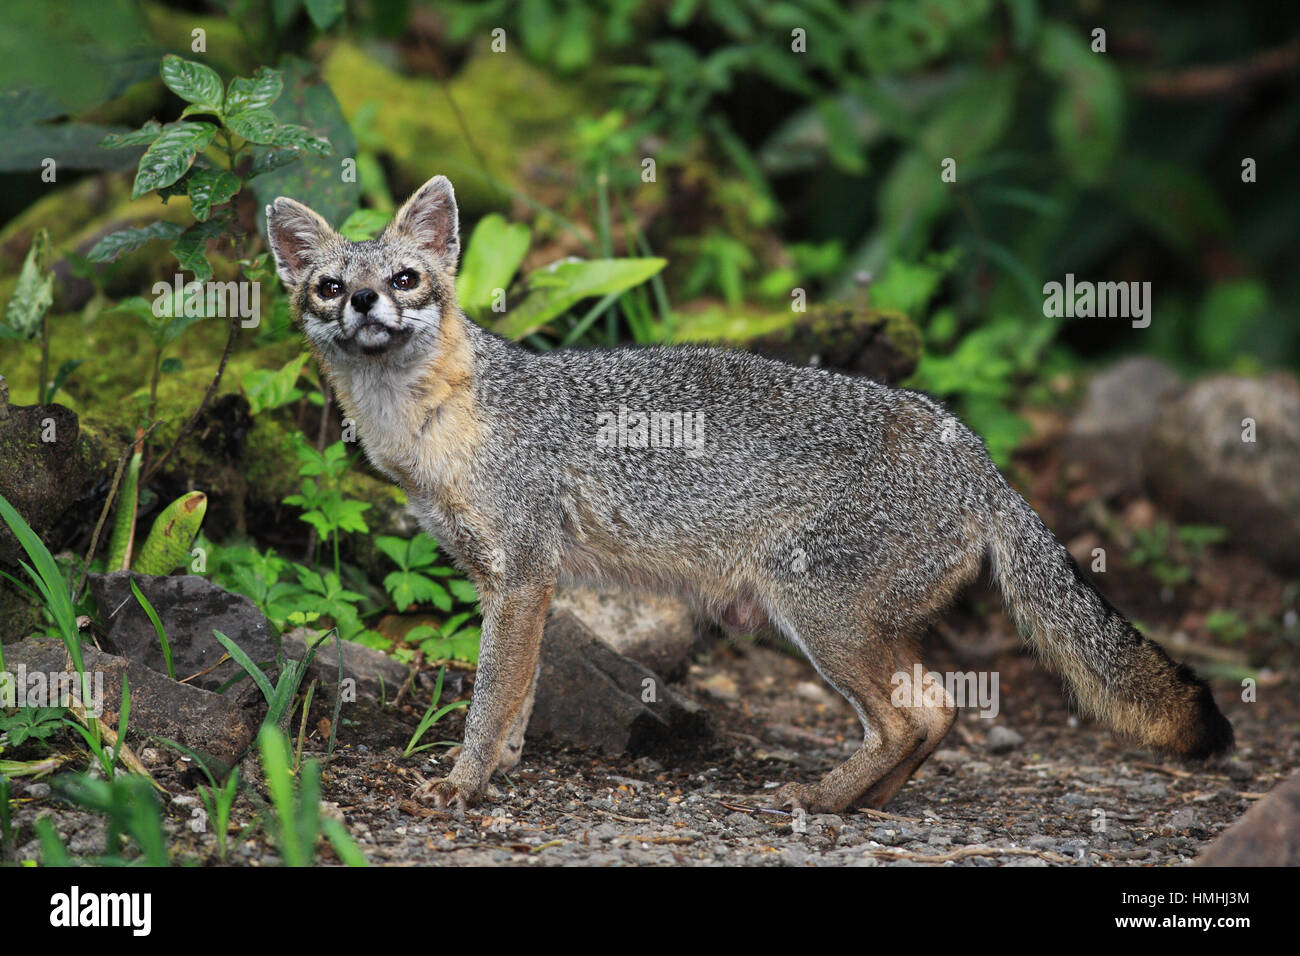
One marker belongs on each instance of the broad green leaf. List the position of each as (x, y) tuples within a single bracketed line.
[(143, 136), (313, 179), (1088, 116), (34, 292), (117, 244), (292, 136), (364, 224), (263, 89), (190, 249), (271, 389), (208, 188), (170, 156), (495, 250), (971, 120), (192, 82), (255, 125), (559, 287), (324, 13)]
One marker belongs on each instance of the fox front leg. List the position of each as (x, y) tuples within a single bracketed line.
[(508, 654)]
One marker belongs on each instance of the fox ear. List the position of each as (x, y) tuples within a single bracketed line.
[(431, 218), (295, 233)]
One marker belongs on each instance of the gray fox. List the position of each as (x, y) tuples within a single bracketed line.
[(838, 510)]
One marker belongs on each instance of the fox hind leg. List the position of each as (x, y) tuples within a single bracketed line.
[(892, 735)]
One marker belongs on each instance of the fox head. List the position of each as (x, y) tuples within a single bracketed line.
[(381, 299)]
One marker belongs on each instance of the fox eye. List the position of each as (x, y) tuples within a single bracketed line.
[(329, 288), (406, 279)]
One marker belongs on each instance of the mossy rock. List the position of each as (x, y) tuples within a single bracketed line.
[(49, 468), (515, 113), (879, 343)]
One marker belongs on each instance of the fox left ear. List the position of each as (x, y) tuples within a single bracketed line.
[(431, 218)]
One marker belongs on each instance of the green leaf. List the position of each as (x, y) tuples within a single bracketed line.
[(261, 91), (495, 250), (65, 371), (210, 187), (292, 136), (143, 136), (559, 287), (1088, 116), (117, 244), (34, 292), (365, 224), (255, 125), (463, 591), (190, 249), (192, 82), (170, 156), (314, 180), (324, 13), (243, 660), (266, 389)]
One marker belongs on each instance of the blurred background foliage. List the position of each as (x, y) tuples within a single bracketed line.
[(773, 170)]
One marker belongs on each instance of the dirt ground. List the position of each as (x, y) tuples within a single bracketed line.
[(1067, 795)]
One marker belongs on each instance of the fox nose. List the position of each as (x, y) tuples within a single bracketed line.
[(363, 299)]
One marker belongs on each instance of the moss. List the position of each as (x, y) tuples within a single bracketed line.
[(517, 115), (880, 343), (228, 47)]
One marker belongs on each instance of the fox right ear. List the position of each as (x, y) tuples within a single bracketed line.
[(294, 233)]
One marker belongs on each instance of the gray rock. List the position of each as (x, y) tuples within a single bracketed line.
[(592, 697), (215, 725), (190, 608), (375, 673), (1112, 428), (1268, 835), (1202, 470), (653, 630), (1003, 740)]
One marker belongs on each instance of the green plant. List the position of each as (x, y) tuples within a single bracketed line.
[(218, 798), (107, 758), (1166, 551), (131, 806), (49, 581), (322, 502), (6, 819), (432, 715), (280, 697), (212, 161), (296, 824), (157, 627), (28, 310), (1227, 625), (413, 582), (182, 157), (31, 723)]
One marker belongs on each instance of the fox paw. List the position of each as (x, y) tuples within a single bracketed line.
[(799, 796), (793, 796), (446, 795)]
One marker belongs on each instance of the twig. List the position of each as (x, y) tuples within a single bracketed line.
[(207, 397), (1204, 81)]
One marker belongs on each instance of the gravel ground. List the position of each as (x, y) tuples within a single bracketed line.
[(1032, 787)]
